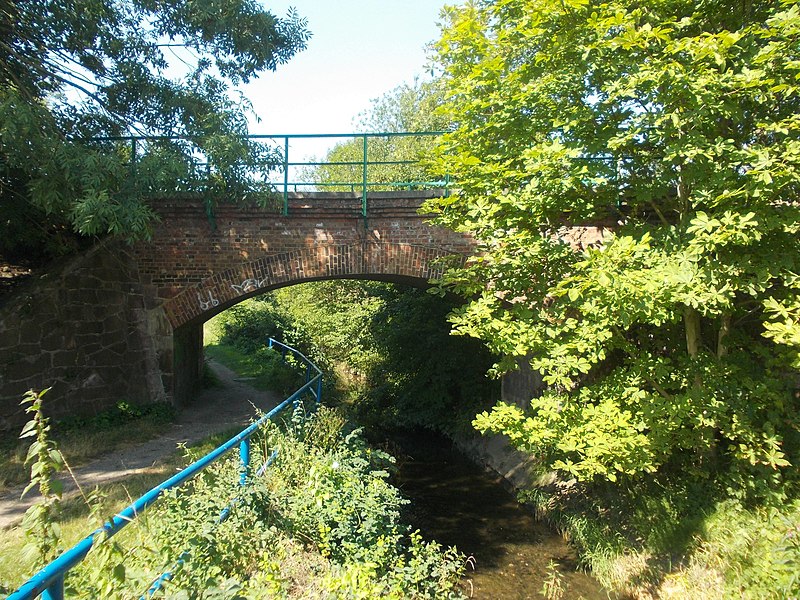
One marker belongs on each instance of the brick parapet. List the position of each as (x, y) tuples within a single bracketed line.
[(194, 270)]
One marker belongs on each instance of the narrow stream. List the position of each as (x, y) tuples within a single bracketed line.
[(457, 503)]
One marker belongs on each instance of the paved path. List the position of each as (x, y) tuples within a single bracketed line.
[(213, 410)]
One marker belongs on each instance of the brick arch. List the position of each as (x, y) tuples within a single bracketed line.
[(412, 264)]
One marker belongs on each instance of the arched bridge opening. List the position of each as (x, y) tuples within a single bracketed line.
[(212, 298), (191, 271)]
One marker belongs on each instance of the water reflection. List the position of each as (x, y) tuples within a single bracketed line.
[(457, 503)]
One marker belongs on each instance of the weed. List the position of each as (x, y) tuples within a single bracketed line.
[(82, 438), (44, 459), (553, 586), (322, 519)]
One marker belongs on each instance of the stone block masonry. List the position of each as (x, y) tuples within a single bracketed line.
[(81, 330)]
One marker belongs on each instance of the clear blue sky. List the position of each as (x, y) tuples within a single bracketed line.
[(359, 50)]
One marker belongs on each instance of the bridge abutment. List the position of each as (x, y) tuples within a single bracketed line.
[(82, 330)]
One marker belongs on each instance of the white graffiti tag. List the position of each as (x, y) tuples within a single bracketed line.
[(248, 285), (211, 301)]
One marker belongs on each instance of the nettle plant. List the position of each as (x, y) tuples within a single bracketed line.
[(40, 522), (675, 124)]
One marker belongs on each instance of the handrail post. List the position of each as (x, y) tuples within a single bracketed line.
[(319, 389), (285, 175), (364, 182), (56, 589), (244, 456)]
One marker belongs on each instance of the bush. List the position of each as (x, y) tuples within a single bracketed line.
[(322, 519)]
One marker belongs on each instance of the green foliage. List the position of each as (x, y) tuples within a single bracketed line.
[(407, 108), (674, 124), (77, 75), (124, 413), (670, 537), (388, 347), (553, 586), (326, 493), (267, 368), (44, 459)]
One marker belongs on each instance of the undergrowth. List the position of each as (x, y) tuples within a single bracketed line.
[(671, 536), (322, 522), (81, 438), (386, 350)]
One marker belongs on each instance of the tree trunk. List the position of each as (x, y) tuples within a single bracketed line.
[(724, 330), (691, 320)]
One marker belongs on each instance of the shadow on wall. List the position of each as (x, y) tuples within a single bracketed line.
[(83, 330)]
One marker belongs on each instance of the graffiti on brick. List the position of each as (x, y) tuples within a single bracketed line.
[(205, 305), (248, 285)]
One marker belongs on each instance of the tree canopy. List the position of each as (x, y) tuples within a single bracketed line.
[(675, 125), (75, 74), (407, 108)]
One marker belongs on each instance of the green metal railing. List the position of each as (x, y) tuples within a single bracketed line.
[(365, 182), (364, 172)]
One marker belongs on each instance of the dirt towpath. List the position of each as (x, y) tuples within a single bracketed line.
[(217, 409)]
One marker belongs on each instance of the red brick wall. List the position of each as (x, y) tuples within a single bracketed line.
[(194, 271)]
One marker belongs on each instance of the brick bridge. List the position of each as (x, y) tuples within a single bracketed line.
[(193, 271), (190, 271), (125, 322)]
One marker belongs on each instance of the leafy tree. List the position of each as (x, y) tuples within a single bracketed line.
[(75, 74), (676, 123), (407, 108), (388, 348)]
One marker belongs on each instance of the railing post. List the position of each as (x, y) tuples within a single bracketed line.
[(319, 389), (285, 175), (56, 589), (364, 182), (244, 456), (133, 156)]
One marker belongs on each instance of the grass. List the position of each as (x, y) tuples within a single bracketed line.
[(671, 537), (76, 520), (82, 439), (264, 369)]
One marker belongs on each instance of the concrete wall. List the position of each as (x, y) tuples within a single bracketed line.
[(518, 387), (519, 469)]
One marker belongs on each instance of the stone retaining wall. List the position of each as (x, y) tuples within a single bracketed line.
[(82, 330)]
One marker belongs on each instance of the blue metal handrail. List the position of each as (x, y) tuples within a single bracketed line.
[(49, 581)]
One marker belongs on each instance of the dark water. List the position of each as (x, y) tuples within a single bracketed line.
[(459, 504)]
